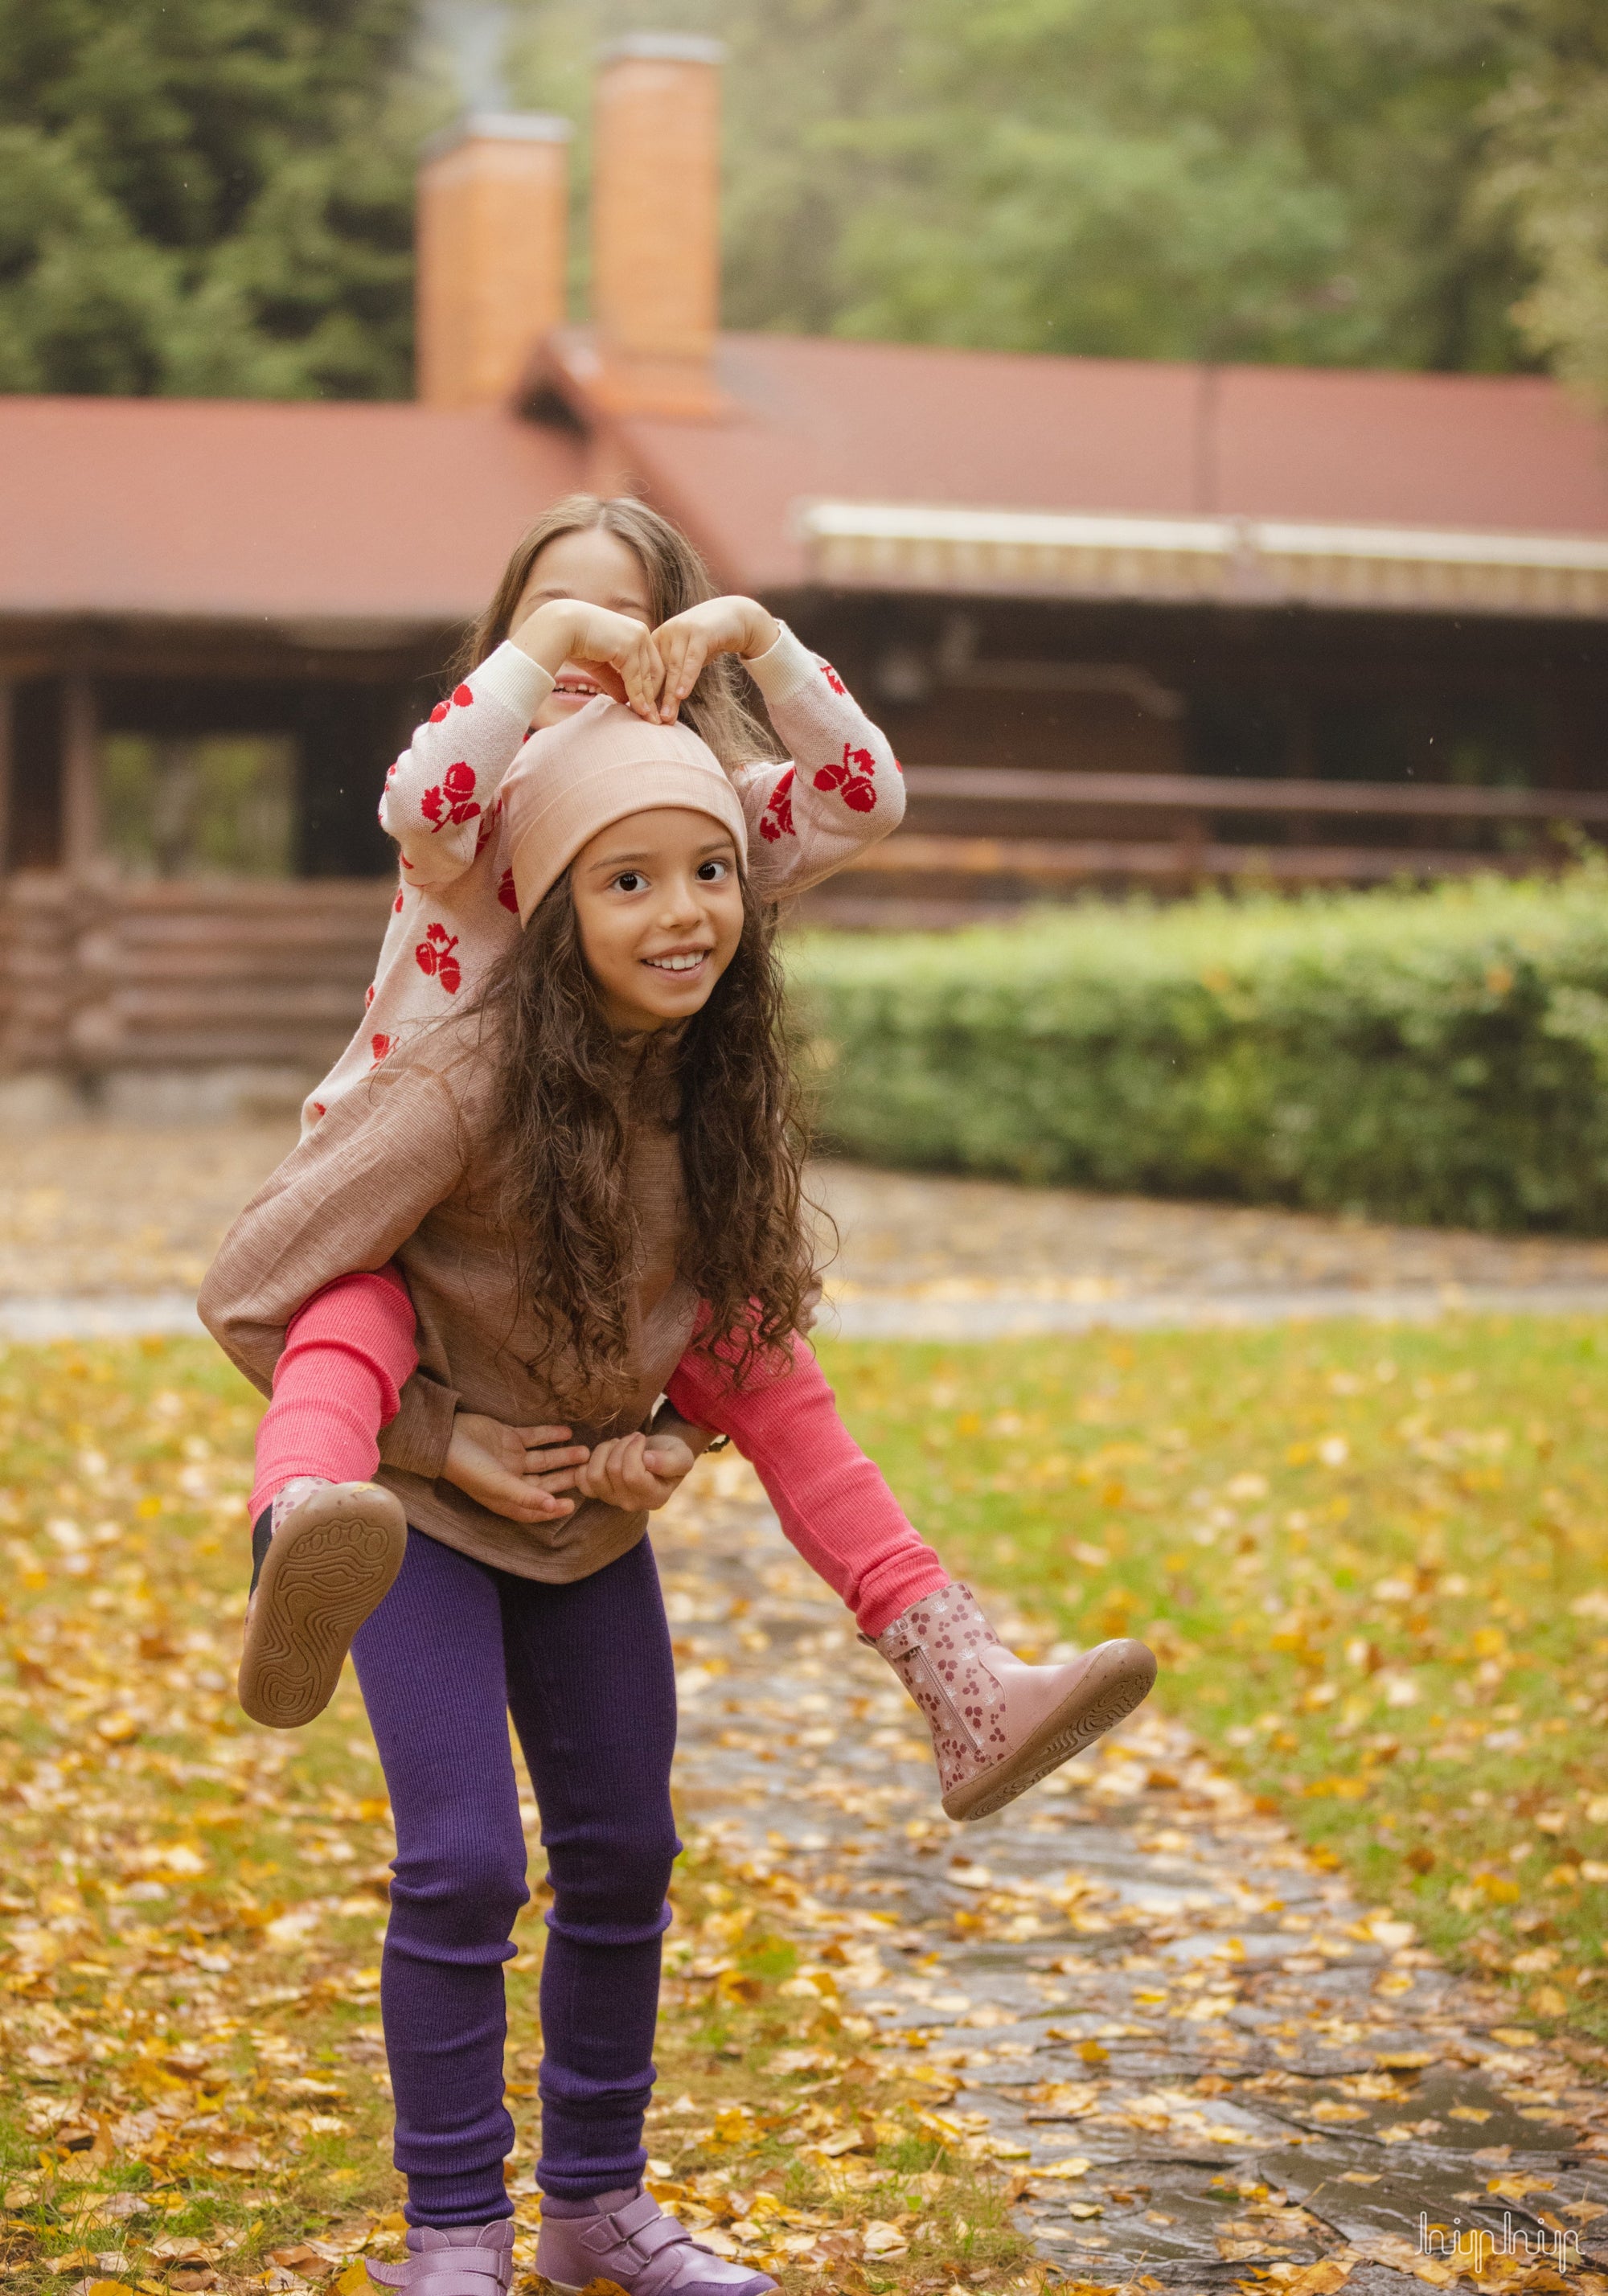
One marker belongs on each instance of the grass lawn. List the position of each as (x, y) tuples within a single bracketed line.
[(1373, 1563), (192, 2085)]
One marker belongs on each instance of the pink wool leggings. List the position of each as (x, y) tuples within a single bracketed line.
[(351, 1350), (831, 1500), (348, 1356)]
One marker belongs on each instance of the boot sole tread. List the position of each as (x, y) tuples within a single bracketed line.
[(326, 1570), (1094, 1707)]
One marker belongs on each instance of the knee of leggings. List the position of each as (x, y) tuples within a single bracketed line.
[(469, 1886), (617, 1874)]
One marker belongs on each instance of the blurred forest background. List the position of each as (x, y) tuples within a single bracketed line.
[(215, 196)]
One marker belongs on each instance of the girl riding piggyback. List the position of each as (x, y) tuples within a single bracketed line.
[(604, 597)]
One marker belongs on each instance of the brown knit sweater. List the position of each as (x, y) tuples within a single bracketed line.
[(403, 1169)]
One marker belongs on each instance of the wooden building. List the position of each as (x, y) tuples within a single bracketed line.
[(1125, 621)]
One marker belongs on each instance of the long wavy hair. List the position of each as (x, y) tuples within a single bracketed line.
[(563, 1099), (677, 579)]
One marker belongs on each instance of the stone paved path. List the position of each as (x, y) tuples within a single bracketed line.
[(1199, 2054), (930, 1257), (107, 1229)]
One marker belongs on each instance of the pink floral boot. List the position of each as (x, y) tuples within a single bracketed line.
[(628, 2238), (469, 2260), (998, 1725), (335, 1549)]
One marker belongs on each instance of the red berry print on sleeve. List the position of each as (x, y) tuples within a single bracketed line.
[(434, 956), (397, 904), (851, 779), (505, 893), (379, 1046), (319, 1109), (776, 820), (438, 712), (833, 679), (462, 695), (368, 995), (453, 803)]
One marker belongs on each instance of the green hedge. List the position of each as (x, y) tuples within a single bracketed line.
[(1438, 1057)]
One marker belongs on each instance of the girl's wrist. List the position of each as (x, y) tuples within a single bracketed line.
[(762, 632), (545, 636)]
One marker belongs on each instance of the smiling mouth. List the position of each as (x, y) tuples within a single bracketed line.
[(576, 688), (684, 960)]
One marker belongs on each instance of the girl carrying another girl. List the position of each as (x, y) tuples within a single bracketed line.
[(586, 1179), (609, 598)]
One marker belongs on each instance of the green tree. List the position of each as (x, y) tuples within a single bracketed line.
[(207, 196), (1261, 179), (1551, 177)]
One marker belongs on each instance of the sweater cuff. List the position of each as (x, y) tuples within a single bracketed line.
[(784, 669), (416, 1440), (510, 676)]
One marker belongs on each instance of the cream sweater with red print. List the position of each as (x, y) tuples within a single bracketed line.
[(454, 913)]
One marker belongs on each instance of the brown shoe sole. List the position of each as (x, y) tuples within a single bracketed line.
[(329, 1564), (1118, 1679)]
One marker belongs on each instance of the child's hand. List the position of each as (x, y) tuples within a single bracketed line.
[(515, 1471), (617, 652), (635, 1471), (719, 626)]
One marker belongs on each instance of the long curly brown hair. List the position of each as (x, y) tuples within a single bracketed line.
[(565, 1096), (677, 578)]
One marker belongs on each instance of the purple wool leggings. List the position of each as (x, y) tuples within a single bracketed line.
[(585, 1670)]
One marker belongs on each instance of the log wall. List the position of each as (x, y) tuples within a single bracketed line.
[(99, 976)]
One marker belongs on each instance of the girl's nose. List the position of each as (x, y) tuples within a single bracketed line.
[(681, 900)]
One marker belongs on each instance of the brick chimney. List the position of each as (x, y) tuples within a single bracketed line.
[(492, 221), (656, 222)]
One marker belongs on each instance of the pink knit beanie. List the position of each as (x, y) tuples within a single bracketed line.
[(601, 765)]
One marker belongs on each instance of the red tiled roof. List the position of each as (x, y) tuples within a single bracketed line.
[(224, 509), (895, 422)]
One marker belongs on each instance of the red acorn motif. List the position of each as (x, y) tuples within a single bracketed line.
[(851, 779), (833, 679), (505, 893), (434, 956), (379, 1046), (776, 820), (462, 695), (453, 801)]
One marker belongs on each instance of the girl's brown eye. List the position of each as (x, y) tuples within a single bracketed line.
[(627, 880)]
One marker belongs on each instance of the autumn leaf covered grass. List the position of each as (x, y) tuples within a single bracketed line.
[(1373, 1563), (192, 2085)]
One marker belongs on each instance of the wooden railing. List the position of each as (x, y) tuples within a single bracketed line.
[(97, 974), (1195, 851), (102, 975)]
